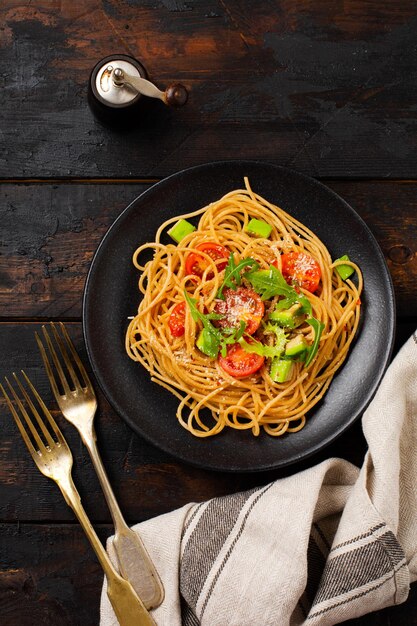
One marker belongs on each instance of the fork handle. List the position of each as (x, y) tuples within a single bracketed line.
[(129, 609), (133, 559)]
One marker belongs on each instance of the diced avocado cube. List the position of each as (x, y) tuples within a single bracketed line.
[(289, 318), (281, 370), (180, 230), (296, 346), (207, 343), (344, 271), (259, 228)]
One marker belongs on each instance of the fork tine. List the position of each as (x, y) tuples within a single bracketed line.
[(74, 353), (35, 412), (46, 411), (25, 414), (66, 358), (48, 367), (19, 424), (57, 364)]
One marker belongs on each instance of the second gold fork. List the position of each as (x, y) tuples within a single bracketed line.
[(78, 404)]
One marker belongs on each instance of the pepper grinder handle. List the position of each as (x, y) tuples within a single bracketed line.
[(175, 95)]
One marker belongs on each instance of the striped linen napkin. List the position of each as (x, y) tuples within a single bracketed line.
[(323, 546)]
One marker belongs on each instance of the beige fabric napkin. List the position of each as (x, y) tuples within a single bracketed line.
[(320, 547)]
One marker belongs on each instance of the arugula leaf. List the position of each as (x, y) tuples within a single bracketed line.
[(267, 283), (259, 348), (240, 331), (233, 336), (270, 283), (208, 343), (200, 317), (232, 277), (293, 297), (318, 329), (192, 303), (214, 316)]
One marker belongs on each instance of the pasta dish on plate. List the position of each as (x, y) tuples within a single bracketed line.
[(244, 315)]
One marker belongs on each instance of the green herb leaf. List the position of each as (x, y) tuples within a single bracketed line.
[(240, 330), (267, 283), (232, 336), (214, 316), (213, 344), (192, 304), (318, 329), (208, 343), (259, 348), (270, 283), (232, 274)]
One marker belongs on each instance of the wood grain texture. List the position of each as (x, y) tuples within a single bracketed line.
[(48, 575), (50, 233), (327, 88)]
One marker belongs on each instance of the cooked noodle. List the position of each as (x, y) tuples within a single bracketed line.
[(209, 398)]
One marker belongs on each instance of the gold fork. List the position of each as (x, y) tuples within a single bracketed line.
[(78, 405), (53, 457)]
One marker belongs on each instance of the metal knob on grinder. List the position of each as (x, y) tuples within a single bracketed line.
[(119, 85)]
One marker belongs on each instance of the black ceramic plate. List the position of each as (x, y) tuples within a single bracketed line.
[(111, 295)]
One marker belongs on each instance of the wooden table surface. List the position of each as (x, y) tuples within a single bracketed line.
[(327, 88)]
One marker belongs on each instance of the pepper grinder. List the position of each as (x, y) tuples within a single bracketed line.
[(119, 90)]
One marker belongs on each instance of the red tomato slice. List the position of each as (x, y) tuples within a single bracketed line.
[(300, 268), (176, 320), (196, 264), (239, 305), (239, 363)]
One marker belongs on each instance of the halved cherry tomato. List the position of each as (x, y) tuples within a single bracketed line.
[(176, 320), (239, 363), (196, 264), (239, 305), (301, 269)]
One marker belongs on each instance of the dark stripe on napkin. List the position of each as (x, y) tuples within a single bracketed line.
[(356, 596), (316, 562), (206, 541), (232, 547), (189, 521), (360, 570), (359, 567), (188, 617)]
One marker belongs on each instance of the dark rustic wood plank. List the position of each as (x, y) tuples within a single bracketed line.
[(52, 232), (49, 234), (326, 88), (49, 576)]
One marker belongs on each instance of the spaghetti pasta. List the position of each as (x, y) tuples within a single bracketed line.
[(178, 303)]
